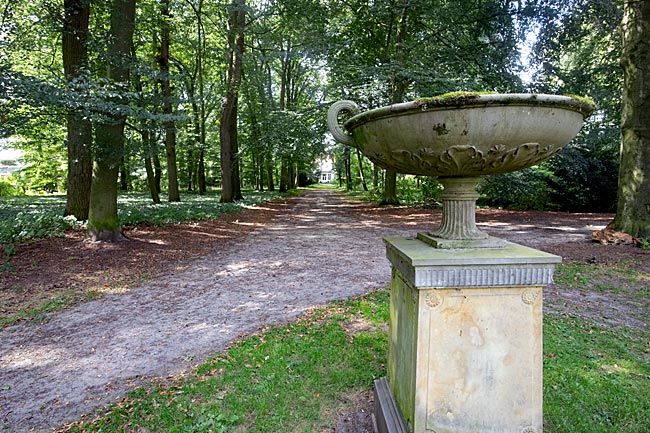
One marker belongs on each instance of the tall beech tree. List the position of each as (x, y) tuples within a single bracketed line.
[(168, 110), (633, 208), (103, 223), (79, 129), (230, 180)]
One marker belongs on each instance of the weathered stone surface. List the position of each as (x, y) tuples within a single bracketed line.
[(458, 137), (465, 352), (511, 265)]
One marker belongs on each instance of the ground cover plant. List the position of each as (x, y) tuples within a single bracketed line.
[(36, 217), (298, 377), (26, 219)]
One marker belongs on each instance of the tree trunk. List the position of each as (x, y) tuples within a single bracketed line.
[(148, 166), (103, 223), (284, 176), (260, 171), (292, 176), (633, 206), (166, 90), (147, 145), (269, 172), (230, 186), (79, 140), (361, 175), (348, 169), (234, 143), (191, 171), (375, 176), (390, 189), (398, 84), (200, 174), (124, 178), (157, 167)]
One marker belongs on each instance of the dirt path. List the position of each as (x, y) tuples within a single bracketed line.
[(319, 248), (84, 358)]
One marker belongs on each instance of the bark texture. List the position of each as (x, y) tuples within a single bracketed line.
[(633, 206), (166, 90), (103, 223), (230, 185), (79, 130)]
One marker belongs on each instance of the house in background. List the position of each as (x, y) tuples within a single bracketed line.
[(326, 169), (9, 161)]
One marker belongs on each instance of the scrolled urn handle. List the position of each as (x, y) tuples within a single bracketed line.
[(333, 120)]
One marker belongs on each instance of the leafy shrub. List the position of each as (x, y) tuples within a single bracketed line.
[(6, 251), (523, 189), (585, 179), (418, 190), (7, 189)]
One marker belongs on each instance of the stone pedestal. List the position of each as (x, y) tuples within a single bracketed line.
[(465, 349)]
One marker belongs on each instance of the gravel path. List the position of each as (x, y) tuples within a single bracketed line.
[(317, 249), (87, 357)]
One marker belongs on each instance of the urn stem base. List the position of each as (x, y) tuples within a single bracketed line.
[(459, 213)]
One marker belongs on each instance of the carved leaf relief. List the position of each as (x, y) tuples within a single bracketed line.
[(468, 160)]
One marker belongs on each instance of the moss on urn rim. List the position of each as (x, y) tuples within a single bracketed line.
[(462, 100)]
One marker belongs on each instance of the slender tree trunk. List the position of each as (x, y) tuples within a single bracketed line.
[(124, 174), (284, 175), (157, 166), (230, 186), (260, 171), (633, 206), (348, 169), (375, 176), (151, 180), (200, 174), (147, 145), (103, 223), (191, 171), (399, 84), (269, 173), (79, 139), (361, 175), (166, 90)]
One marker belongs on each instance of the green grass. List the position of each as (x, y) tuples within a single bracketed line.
[(595, 380), (291, 378), (37, 217), (40, 313), (294, 378), (615, 278)]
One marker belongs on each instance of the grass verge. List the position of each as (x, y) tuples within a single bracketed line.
[(285, 379), (596, 380), (294, 378)]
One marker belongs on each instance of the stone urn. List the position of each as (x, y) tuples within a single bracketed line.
[(460, 137), (465, 339)]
